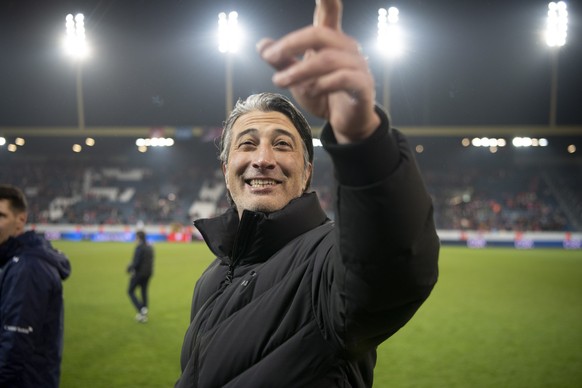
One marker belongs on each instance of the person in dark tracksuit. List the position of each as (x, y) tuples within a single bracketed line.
[(141, 270), (292, 298), (31, 299)]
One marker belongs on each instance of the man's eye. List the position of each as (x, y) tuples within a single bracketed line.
[(246, 143), (283, 143)]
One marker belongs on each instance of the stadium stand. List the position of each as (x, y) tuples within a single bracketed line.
[(118, 185)]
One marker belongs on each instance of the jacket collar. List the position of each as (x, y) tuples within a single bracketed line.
[(257, 236), (36, 246), (7, 250)]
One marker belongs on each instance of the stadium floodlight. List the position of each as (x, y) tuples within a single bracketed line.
[(389, 34), (2, 141), (75, 42), (229, 41), (154, 142), (490, 142), (556, 34), (390, 44), (229, 34), (557, 24), (526, 142), (76, 46)]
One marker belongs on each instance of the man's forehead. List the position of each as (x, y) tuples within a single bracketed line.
[(259, 121), (4, 206)]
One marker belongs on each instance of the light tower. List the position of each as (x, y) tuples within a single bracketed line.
[(76, 47), (555, 35), (229, 37), (389, 44)]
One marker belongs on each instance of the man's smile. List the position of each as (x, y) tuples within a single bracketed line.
[(260, 183)]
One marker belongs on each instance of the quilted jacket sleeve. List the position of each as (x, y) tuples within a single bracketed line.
[(384, 262), (24, 297)]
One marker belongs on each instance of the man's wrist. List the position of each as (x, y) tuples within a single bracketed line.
[(367, 128), (364, 162)]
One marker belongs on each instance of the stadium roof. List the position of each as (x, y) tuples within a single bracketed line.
[(156, 63)]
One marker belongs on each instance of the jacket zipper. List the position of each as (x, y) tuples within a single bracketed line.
[(240, 243)]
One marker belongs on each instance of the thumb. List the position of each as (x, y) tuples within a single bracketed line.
[(328, 13)]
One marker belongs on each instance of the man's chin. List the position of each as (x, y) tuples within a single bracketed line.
[(262, 207)]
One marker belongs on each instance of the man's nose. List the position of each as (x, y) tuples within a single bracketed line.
[(264, 157)]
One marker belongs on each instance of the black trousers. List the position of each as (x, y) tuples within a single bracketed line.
[(142, 283)]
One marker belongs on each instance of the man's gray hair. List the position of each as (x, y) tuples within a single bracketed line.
[(268, 102)]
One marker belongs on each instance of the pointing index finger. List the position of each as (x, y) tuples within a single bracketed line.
[(328, 13)]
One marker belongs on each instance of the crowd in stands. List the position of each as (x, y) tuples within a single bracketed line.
[(468, 197), (495, 200)]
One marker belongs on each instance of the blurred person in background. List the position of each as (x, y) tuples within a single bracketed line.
[(31, 299), (293, 299), (141, 270)]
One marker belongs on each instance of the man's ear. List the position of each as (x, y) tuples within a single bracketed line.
[(307, 178), (223, 166), (21, 222)]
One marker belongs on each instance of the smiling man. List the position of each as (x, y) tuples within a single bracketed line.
[(266, 162), (293, 299)]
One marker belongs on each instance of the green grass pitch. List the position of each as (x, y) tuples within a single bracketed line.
[(497, 318)]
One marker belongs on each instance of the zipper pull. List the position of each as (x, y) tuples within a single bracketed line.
[(229, 274)]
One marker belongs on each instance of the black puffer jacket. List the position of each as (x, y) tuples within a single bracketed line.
[(142, 264), (31, 312), (294, 300)]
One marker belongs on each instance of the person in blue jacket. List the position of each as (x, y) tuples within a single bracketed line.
[(31, 299)]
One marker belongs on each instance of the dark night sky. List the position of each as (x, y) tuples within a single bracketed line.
[(155, 63)]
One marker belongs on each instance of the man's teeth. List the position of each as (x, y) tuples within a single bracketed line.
[(262, 182)]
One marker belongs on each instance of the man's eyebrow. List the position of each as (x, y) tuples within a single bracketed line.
[(246, 132), (281, 131), (278, 131)]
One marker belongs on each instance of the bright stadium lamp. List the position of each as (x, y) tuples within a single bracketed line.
[(555, 36), (229, 37), (557, 24), (229, 40), (76, 47), (389, 34), (390, 44), (75, 42)]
